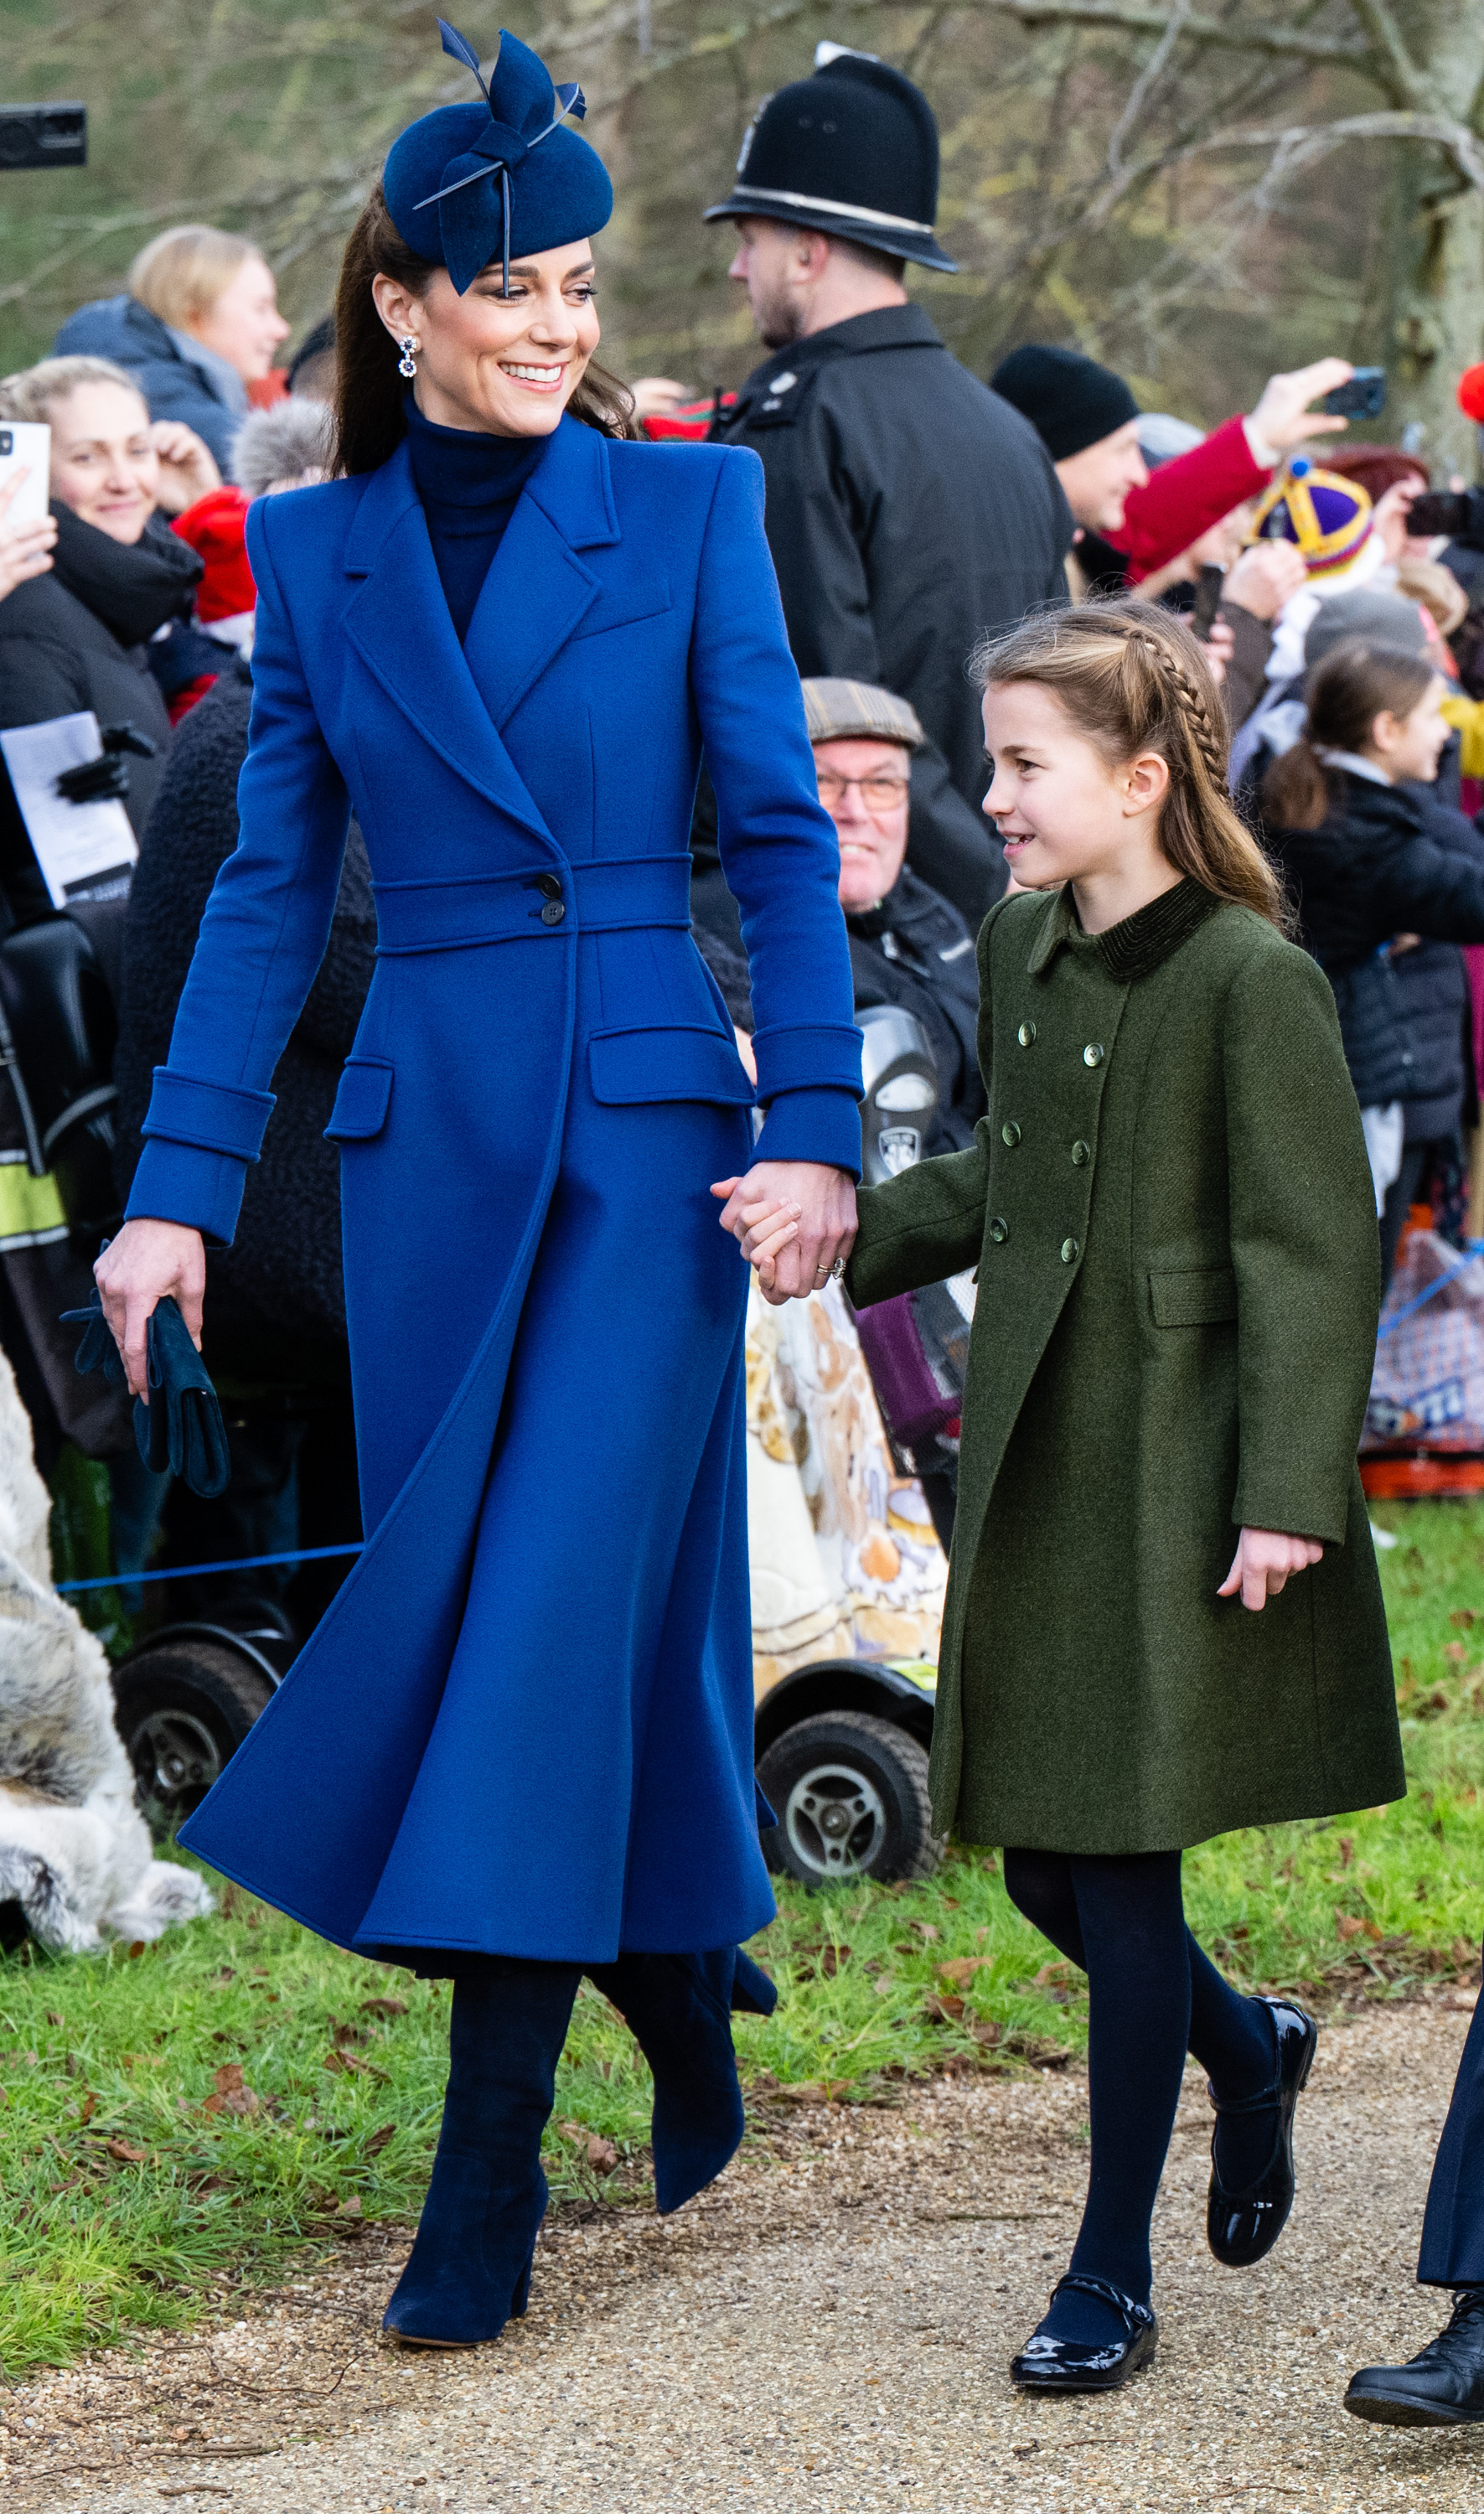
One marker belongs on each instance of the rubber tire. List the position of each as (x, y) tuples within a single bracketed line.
[(210, 1684), (895, 1765)]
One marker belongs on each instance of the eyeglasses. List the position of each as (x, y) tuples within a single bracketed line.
[(877, 793)]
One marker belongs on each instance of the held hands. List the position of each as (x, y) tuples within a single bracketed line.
[(794, 1221), (147, 1259), (1264, 1563)]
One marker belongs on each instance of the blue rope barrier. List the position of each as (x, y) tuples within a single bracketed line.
[(1475, 1249), (194, 1570)]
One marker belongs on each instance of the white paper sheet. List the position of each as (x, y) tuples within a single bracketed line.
[(85, 850)]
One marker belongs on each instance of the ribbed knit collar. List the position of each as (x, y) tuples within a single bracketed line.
[(470, 480), (1135, 948)]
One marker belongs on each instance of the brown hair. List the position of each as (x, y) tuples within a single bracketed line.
[(1352, 686), (181, 274), (369, 417), (1132, 678)]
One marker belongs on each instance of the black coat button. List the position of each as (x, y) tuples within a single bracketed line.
[(1010, 1133), (553, 913), (999, 1231), (549, 884)]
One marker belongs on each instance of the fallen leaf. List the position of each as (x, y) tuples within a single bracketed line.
[(1373, 1930), (948, 2011), (53, 2018), (1346, 1849), (384, 2006), (961, 1969), (127, 2155), (1457, 1651), (381, 2138), (351, 2207), (228, 2077), (927, 1929), (135, 1950), (87, 2108), (602, 2155), (1347, 1925), (1463, 1615), (985, 2030), (1051, 1973), (351, 2034)]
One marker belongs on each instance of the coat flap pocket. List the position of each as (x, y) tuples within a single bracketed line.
[(360, 1103), (1194, 1296), (622, 607), (679, 1063)]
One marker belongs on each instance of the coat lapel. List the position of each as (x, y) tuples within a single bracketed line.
[(398, 622), (539, 590)]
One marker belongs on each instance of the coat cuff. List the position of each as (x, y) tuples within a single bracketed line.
[(215, 1116), (825, 1058), (181, 1183), (814, 1126)]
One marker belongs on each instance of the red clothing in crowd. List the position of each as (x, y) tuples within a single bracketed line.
[(1185, 496)]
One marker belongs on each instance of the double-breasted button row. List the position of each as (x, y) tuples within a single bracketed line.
[(1092, 1055)]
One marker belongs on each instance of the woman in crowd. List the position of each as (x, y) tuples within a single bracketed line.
[(1386, 885), (25, 550), (1170, 1213), (502, 634), (198, 325), (79, 636)]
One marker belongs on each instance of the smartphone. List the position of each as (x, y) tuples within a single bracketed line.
[(43, 135), (26, 445), (1437, 511), (1363, 397), (1208, 594)]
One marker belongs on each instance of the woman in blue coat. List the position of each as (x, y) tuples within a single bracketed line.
[(519, 1745)]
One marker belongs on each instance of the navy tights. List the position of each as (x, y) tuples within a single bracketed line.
[(1152, 1995)]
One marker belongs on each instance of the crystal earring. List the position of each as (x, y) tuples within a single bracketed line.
[(407, 364)]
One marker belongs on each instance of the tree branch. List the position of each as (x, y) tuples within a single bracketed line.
[(1145, 84), (1234, 37), (1303, 143), (1388, 40)]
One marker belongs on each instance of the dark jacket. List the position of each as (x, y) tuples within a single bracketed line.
[(178, 378), (78, 638), (283, 1271), (916, 952), (1387, 861), (908, 510)]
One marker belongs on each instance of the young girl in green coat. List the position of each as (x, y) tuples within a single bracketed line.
[(1163, 1617)]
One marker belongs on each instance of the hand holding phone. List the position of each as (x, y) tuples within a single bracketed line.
[(1363, 397)]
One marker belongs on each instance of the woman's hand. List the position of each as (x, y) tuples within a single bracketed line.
[(187, 465), (26, 551), (1264, 1563), (795, 1221), (145, 1261)]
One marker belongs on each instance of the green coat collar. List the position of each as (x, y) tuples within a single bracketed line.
[(1137, 946)]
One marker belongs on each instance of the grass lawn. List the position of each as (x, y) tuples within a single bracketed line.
[(175, 2115)]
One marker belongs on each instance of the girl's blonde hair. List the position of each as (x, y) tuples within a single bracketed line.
[(1132, 678), (34, 393), (181, 274), (1348, 690)]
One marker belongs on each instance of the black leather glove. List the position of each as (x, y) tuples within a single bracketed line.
[(182, 1426), (105, 780)]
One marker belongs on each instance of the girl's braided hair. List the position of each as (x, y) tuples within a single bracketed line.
[(1132, 678)]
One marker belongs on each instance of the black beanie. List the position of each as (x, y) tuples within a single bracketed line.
[(1069, 400)]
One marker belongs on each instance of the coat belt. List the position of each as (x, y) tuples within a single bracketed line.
[(460, 912)]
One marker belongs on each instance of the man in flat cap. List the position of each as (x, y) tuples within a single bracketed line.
[(909, 509)]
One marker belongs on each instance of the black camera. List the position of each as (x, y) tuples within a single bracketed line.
[(42, 134)]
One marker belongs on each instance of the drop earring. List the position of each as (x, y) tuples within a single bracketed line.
[(409, 344)]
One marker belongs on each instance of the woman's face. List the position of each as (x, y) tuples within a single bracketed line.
[(507, 366), (104, 461), (244, 326)]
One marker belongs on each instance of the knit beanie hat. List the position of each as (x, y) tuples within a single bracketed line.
[(1381, 618), (1069, 400), (214, 527)]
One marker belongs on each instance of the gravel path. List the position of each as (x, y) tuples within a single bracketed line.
[(829, 2334)]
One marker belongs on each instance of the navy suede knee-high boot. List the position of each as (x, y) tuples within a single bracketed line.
[(679, 2009), (471, 2266)]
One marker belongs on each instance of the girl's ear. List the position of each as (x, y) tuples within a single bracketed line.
[(1383, 732), (1145, 782)]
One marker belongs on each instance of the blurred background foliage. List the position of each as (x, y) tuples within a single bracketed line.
[(1197, 195)]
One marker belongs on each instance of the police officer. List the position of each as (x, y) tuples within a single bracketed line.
[(909, 509)]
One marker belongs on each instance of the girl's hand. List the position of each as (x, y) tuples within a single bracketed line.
[(1264, 1563), (26, 550), (794, 1221), (147, 1259), (187, 465)]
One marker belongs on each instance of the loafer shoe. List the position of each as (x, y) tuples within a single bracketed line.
[(1442, 2387), (1048, 2365), (1242, 2225)]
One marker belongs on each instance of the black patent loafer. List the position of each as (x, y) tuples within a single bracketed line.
[(1046, 2364), (1242, 2225), (1442, 2387)]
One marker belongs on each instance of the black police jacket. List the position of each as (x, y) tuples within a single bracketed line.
[(914, 951), (908, 510)]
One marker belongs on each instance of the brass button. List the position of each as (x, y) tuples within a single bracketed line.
[(1010, 1133), (999, 1231), (553, 913), (1092, 1054), (1026, 1033), (549, 884), (1082, 1153), (1068, 1252)]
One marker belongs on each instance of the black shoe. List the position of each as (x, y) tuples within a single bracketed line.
[(1047, 2365), (1443, 2386), (1242, 2225)]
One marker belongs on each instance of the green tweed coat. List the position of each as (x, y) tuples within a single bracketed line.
[(1170, 1208)]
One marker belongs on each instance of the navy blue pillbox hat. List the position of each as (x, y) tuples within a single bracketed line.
[(470, 182)]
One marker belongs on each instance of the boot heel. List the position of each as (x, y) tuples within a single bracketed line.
[(522, 2296)]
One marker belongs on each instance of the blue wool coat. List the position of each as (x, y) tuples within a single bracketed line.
[(525, 1725)]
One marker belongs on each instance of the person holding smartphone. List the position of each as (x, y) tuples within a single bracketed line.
[(25, 550)]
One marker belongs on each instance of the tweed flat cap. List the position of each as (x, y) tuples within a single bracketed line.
[(858, 711)]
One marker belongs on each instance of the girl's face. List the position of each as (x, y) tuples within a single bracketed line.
[(1062, 812), (506, 366), (244, 325), (104, 461), (1409, 747)]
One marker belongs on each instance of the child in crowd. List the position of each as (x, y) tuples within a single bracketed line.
[(1169, 1210), (1386, 882)]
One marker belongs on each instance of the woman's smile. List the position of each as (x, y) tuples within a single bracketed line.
[(540, 379)]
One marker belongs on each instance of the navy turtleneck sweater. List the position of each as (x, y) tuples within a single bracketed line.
[(469, 484)]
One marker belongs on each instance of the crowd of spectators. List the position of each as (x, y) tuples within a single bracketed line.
[(1349, 647)]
